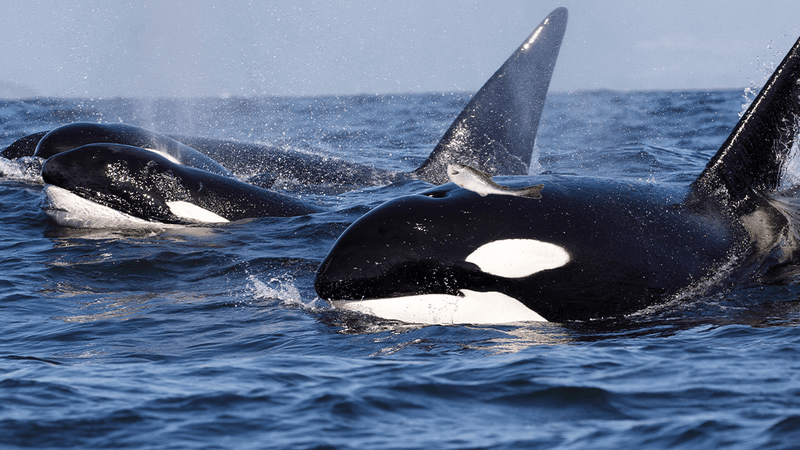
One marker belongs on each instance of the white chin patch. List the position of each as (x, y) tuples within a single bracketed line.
[(478, 308), (74, 211), (193, 213), (518, 258), (71, 210)]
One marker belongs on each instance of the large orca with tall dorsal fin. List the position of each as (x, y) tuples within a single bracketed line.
[(589, 248), (495, 132)]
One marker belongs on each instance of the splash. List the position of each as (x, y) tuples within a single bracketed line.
[(535, 167), (26, 169), (786, 199), (790, 166), (697, 292), (764, 70), (282, 288)]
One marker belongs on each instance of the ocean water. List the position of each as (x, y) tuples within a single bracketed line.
[(213, 338)]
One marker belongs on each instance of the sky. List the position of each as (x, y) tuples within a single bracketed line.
[(170, 48)]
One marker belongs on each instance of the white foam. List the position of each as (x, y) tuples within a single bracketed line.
[(27, 169), (479, 308), (280, 288)]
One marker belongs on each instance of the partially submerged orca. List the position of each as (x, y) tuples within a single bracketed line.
[(589, 248), (74, 135), (150, 187), (495, 133), (259, 164)]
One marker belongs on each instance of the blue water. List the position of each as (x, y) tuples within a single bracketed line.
[(213, 337)]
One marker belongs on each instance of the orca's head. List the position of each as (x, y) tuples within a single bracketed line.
[(145, 185), (589, 248), (442, 247), (128, 179)]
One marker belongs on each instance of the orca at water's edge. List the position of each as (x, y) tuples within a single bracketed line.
[(494, 132), (589, 248)]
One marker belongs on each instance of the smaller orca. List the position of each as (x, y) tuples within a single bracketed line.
[(589, 248), (150, 187)]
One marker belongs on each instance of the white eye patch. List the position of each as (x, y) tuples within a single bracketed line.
[(517, 258), (194, 213)]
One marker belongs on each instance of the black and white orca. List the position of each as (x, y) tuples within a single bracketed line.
[(589, 248), (123, 186), (495, 133)]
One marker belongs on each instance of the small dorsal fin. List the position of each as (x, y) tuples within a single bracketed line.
[(750, 161), (497, 129)]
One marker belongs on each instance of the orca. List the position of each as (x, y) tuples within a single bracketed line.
[(147, 187), (589, 248), (494, 133)]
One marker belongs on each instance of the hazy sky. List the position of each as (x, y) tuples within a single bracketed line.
[(205, 47)]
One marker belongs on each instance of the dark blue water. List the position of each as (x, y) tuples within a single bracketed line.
[(212, 337)]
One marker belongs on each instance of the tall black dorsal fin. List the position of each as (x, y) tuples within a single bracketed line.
[(497, 129), (751, 159)]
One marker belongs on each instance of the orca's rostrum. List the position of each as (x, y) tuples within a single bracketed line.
[(589, 248)]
